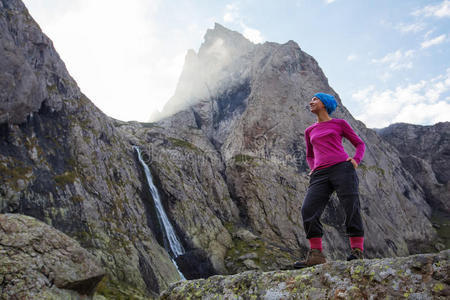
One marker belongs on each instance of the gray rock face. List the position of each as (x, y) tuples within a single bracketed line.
[(423, 276), (235, 159), (425, 152), (63, 162), (38, 262), (31, 70)]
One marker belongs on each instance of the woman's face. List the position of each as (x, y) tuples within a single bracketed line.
[(315, 105)]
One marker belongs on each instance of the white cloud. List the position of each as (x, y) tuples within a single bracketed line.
[(385, 76), (407, 28), (228, 17), (253, 35), (441, 10), (432, 42), (124, 61), (352, 57), (232, 15), (329, 1), (427, 34), (420, 103), (363, 94), (397, 60)]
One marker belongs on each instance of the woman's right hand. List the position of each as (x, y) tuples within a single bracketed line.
[(310, 172)]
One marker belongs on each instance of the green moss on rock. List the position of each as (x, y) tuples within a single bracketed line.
[(442, 224), (243, 158), (65, 178), (113, 290), (76, 198), (183, 144), (12, 172)]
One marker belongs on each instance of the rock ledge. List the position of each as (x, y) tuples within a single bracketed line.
[(421, 276)]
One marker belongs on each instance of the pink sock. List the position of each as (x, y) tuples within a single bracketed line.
[(357, 242), (316, 243)]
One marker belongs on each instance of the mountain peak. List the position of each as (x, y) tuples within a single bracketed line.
[(222, 31), (220, 36)]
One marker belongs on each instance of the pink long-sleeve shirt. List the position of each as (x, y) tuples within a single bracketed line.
[(324, 143)]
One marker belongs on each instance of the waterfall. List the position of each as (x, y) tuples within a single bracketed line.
[(171, 241)]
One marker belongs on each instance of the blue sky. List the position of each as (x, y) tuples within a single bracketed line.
[(388, 60)]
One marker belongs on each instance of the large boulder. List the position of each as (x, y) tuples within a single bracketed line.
[(38, 262)]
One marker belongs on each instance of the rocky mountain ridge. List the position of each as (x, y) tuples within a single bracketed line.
[(230, 165), (425, 152), (421, 276)]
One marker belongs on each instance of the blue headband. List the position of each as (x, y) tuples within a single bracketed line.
[(327, 100)]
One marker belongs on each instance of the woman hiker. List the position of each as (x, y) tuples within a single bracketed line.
[(332, 169)]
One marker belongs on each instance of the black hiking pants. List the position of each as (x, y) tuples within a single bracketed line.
[(343, 179)]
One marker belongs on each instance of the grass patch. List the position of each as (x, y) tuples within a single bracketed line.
[(11, 174), (183, 144), (52, 88), (76, 198), (243, 158), (376, 169), (65, 178), (112, 289), (442, 219)]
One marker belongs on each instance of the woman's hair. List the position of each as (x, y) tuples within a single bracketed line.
[(327, 100)]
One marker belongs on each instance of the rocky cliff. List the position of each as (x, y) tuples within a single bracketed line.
[(425, 152), (63, 162), (227, 155)]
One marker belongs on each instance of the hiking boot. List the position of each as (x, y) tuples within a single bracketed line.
[(355, 254), (314, 257)]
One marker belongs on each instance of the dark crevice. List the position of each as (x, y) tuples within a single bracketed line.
[(391, 245), (146, 270), (103, 137), (299, 158), (4, 132), (240, 202), (231, 101), (195, 264), (84, 287), (61, 87), (198, 120), (406, 193)]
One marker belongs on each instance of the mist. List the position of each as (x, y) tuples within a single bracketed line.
[(220, 64)]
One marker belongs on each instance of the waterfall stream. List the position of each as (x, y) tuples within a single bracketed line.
[(171, 241)]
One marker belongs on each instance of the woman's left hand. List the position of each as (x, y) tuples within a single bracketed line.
[(355, 164)]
